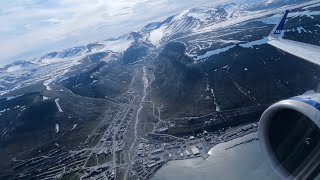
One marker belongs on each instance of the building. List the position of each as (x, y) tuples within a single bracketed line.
[(163, 130), (205, 133), (195, 150), (246, 128), (187, 153), (140, 146), (139, 152), (156, 158), (151, 164), (156, 151), (160, 162)]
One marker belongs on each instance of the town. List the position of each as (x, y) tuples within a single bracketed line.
[(102, 154)]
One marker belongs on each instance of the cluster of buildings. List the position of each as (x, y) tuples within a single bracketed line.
[(152, 154), (238, 132), (94, 156), (53, 164), (99, 173)]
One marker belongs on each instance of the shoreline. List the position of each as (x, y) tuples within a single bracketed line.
[(209, 152)]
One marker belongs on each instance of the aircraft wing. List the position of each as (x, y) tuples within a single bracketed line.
[(305, 51)]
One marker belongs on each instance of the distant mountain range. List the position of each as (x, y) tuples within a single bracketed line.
[(153, 35)]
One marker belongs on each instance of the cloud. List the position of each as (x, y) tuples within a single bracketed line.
[(32, 27), (53, 20)]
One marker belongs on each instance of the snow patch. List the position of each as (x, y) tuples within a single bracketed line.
[(202, 16), (214, 52), (308, 13), (255, 43), (78, 85), (300, 29), (311, 6), (215, 101), (271, 20), (274, 19), (119, 45), (57, 128), (13, 97), (46, 84), (225, 67), (2, 111), (74, 126), (157, 35), (181, 15), (44, 98), (63, 79), (269, 1), (58, 105), (13, 68), (51, 60)]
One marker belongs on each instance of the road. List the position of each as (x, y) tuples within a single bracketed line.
[(116, 130)]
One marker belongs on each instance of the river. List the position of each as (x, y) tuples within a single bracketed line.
[(244, 161)]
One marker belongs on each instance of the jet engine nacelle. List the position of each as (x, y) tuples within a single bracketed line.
[(289, 136)]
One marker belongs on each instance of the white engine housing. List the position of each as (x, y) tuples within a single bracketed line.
[(289, 136)]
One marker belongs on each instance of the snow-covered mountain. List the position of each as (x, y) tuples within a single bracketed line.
[(202, 18), (119, 44), (259, 5), (18, 65), (193, 22)]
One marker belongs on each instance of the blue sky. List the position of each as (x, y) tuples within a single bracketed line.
[(33, 27)]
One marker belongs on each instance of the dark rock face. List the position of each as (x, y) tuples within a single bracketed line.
[(135, 53), (71, 52), (177, 84), (136, 36), (26, 116), (240, 77), (308, 32), (50, 55), (103, 80), (277, 3), (245, 77), (94, 45), (174, 51), (66, 53), (38, 115)]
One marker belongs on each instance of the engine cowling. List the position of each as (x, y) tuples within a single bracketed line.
[(289, 136)]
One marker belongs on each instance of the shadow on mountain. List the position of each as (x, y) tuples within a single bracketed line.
[(178, 84), (244, 77), (103, 80)]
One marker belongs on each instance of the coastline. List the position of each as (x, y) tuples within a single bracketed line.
[(228, 145)]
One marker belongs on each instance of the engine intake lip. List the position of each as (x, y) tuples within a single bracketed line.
[(264, 124)]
